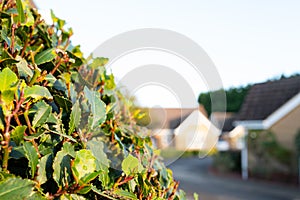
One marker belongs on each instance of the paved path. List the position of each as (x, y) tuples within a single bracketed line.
[(194, 177)]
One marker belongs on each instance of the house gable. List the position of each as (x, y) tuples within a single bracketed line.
[(268, 102), (264, 99)]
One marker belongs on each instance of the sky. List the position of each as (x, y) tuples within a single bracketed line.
[(248, 41)]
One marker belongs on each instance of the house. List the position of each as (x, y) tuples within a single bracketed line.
[(196, 132), (163, 121), (178, 127), (231, 137), (274, 106)]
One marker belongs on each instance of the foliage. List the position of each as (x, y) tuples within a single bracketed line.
[(175, 153), (297, 142), (227, 161), (234, 99), (269, 159), (66, 131), (234, 96), (265, 144)]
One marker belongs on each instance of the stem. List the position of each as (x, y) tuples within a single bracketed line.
[(27, 118), (12, 46), (6, 134), (36, 147), (36, 75), (56, 67), (67, 44), (129, 178), (102, 194), (174, 190), (16, 115), (27, 41), (17, 119)]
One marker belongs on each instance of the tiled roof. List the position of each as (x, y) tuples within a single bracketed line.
[(265, 98), (223, 120), (168, 118)]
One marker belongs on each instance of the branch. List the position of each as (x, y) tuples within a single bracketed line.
[(6, 134)]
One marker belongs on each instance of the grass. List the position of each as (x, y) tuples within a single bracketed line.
[(174, 153)]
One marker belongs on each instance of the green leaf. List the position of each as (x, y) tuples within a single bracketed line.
[(32, 157), (125, 194), (49, 142), (20, 9), (98, 108), (8, 97), (8, 78), (78, 61), (84, 164), (110, 82), (40, 133), (17, 134), (101, 193), (60, 130), (86, 179), (54, 18), (97, 149), (196, 196), (23, 69), (181, 194), (131, 165), (17, 152), (37, 92), (75, 117), (71, 197), (63, 103), (30, 18), (51, 79), (98, 62), (45, 56), (68, 148), (45, 167), (102, 163), (42, 114), (16, 188), (4, 35), (85, 189), (36, 196), (62, 169)]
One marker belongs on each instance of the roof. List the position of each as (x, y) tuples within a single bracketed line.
[(168, 118), (263, 99), (228, 124), (223, 120)]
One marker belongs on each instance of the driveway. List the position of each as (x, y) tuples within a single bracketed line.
[(194, 176)]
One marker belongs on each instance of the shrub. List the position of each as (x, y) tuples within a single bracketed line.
[(66, 131), (297, 142), (265, 144), (227, 161)]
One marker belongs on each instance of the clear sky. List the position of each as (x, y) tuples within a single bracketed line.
[(249, 41)]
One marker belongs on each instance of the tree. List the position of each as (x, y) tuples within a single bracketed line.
[(234, 99), (66, 132)]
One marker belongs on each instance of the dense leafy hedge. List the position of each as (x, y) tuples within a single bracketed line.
[(66, 132)]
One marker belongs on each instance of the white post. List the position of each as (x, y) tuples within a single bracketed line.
[(299, 171), (244, 157)]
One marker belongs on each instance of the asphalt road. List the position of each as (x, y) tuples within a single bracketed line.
[(194, 176)]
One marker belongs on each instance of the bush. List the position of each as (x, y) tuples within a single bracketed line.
[(270, 160), (265, 144), (297, 142), (66, 132), (227, 161)]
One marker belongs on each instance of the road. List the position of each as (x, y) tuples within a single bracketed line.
[(194, 176)]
